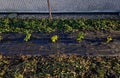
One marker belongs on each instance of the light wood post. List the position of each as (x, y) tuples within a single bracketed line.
[(49, 8)]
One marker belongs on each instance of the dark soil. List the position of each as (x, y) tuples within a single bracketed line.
[(94, 44)]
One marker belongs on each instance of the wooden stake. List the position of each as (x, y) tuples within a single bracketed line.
[(49, 8)]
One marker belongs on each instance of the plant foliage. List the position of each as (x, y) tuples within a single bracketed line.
[(59, 66)]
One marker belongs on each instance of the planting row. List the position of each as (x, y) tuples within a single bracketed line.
[(59, 66), (55, 37), (27, 26)]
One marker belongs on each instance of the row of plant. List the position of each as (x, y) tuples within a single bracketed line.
[(79, 37), (59, 66), (27, 26)]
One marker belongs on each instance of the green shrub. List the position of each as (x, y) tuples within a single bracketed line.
[(66, 25)]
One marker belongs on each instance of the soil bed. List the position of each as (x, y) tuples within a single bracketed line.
[(94, 44), (34, 36)]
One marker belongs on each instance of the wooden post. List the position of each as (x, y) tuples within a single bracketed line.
[(49, 8)]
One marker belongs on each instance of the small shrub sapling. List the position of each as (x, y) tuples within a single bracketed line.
[(80, 36), (28, 35), (109, 39), (54, 38)]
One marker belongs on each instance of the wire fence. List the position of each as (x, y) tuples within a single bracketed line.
[(60, 5)]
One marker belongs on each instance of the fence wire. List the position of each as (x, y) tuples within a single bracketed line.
[(60, 5)]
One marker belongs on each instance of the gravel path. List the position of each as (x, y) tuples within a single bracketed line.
[(67, 15)]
